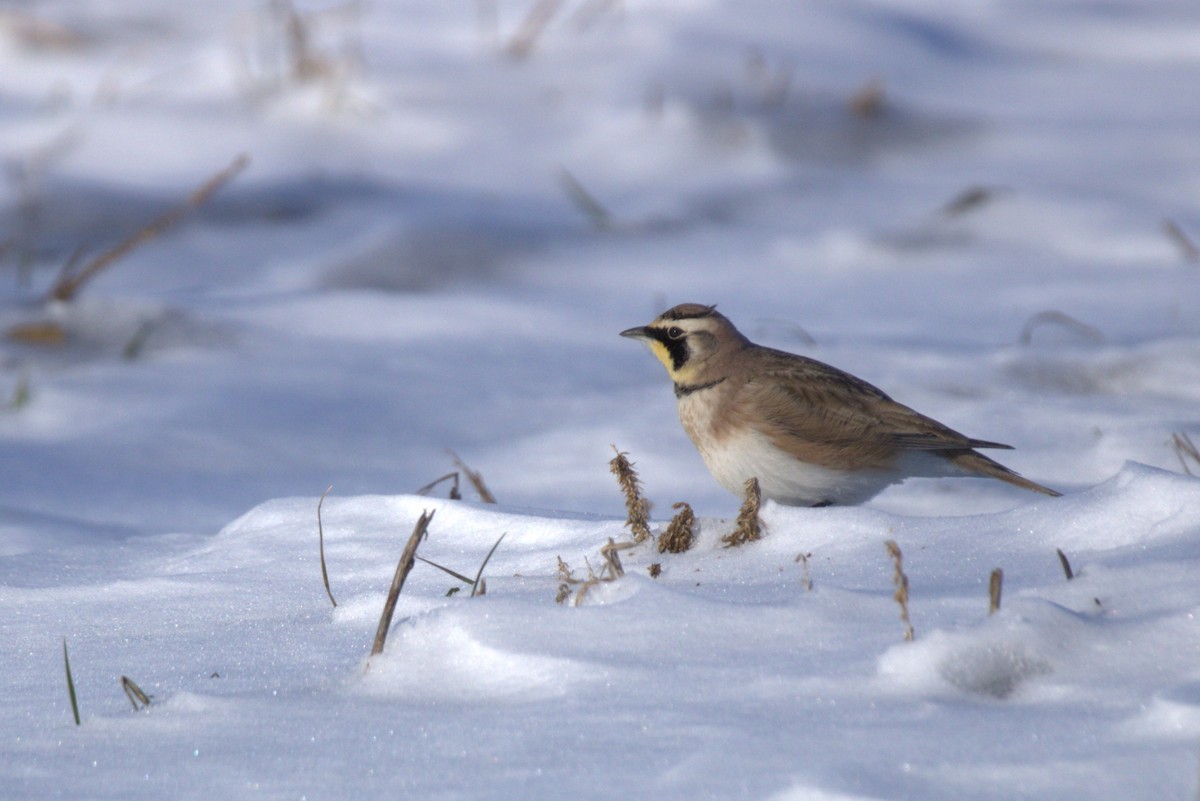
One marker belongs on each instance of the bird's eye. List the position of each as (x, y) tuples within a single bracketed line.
[(675, 332)]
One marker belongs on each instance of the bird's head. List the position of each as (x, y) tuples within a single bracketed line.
[(691, 340)]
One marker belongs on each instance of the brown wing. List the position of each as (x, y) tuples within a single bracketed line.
[(826, 415)]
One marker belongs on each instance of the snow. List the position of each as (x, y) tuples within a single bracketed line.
[(409, 267)]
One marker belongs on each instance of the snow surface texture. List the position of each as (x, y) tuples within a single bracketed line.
[(436, 243)]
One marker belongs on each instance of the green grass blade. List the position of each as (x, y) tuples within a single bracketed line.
[(486, 559), (445, 570), (70, 683)]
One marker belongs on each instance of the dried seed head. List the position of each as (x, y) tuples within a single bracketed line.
[(678, 537), (637, 508), (748, 527)]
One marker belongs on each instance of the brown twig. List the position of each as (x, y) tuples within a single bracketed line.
[(475, 478), (402, 570), (68, 285), (1066, 565), (995, 587), (70, 266), (901, 581), (612, 570), (455, 495), (612, 559), (1184, 447), (134, 693)]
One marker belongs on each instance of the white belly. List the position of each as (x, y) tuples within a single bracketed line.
[(785, 479), (736, 458)]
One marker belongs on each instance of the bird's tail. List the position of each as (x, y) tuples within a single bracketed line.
[(980, 465)]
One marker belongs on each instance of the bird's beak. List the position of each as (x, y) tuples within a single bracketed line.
[(636, 333)]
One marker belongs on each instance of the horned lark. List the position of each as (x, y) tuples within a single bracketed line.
[(811, 434)]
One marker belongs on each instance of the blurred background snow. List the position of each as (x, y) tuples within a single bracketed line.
[(450, 210)]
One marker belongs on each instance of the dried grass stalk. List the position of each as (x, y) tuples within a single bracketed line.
[(807, 579), (971, 198), (137, 343), (475, 478), (306, 64), (21, 393), (531, 29), (678, 537), (995, 587), (771, 85), (612, 570), (868, 101), (901, 581), (1187, 248), (1185, 449), (637, 508), (134, 693), (566, 578), (1062, 319), (478, 587), (321, 546), (447, 571), (455, 495), (585, 201), (1066, 565), (68, 285), (403, 567), (748, 527), (37, 33), (612, 559), (591, 581), (38, 332)]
